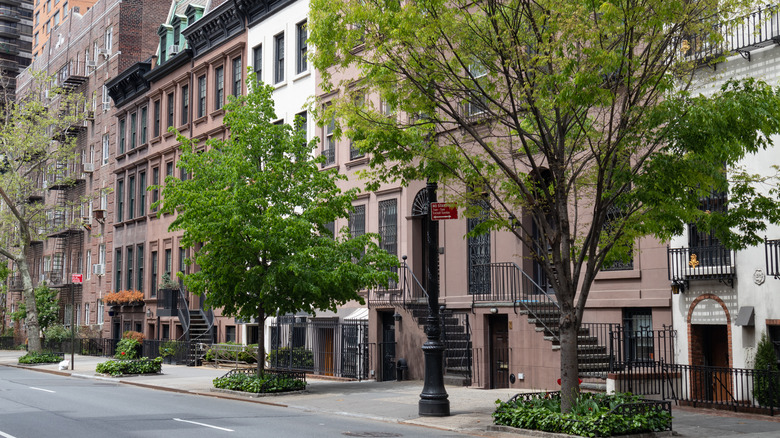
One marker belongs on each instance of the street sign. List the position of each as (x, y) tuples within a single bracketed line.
[(442, 211), (76, 278)]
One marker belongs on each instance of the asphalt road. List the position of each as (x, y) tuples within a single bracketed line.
[(36, 405)]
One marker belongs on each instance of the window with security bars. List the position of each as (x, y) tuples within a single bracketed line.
[(388, 229), (703, 244), (357, 221), (614, 215), (329, 145)]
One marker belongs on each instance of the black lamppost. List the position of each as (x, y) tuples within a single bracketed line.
[(434, 400)]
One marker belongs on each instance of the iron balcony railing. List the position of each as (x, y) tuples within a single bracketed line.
[(700, 263), (760, 28), (330, 156), (772, 255)]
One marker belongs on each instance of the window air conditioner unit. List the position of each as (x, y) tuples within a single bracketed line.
[(99, 269), (99, 214), (106, 106), (104, 52), (86, 220), (91, 63), (89, 167), (173, 49)]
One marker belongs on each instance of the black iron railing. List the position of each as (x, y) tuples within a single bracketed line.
[(772, 254), (637, 347), (760, 28), (700, 263), (456, 336), (510, 284)]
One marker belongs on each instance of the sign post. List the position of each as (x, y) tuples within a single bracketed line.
[(74, 279)]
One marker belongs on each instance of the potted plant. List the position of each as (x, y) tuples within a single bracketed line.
[(168, 283), (124, 298)]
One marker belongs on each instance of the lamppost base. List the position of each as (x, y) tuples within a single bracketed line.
[(434, 408)]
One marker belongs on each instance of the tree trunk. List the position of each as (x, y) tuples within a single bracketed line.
[(570, 387), (260, 342), (28, 294)]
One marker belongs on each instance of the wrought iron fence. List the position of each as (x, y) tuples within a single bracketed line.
[(326, 347), (640, 347)]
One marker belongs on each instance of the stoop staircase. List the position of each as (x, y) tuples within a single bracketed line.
[(509, 283), (455, 328)]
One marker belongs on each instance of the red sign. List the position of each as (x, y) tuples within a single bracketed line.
[(442, 211), (76, 278)]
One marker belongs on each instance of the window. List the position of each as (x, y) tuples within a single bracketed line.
[(130, 278), (156, 126), (155, 182), (182, 260), (614, 216), (144, 116), (109, 39), (86, 313), (48, 5), (37, 19), (154, 274), (230, 333), (301, 123), (329, 150), (89, 264), (185, 104), (64, 9), (236, 76), (133, 124), (121, 137), (35, 39), (168, 261), (118, 271), (475, 102), (131, 197), (139, 280), (142, 193), (170, 109), (257, 61), (705, 245), (388, 229), (78, 314), (48, 27), (357, 221), (56, 18), (219, 76), (120, 193), (169, 168), (638, 325), (354, 151), (279, 58), (106, 141), (100, 310), (202, 96), (300, 48), (331, 228)]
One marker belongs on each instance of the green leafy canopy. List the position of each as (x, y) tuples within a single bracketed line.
[(256, 209)]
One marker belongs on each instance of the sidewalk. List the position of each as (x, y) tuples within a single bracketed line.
[(397, 401)]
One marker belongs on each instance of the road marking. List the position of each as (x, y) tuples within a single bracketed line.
[(5, 435), (204, 425), (41, 389)]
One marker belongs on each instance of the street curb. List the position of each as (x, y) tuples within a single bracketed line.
[(542, 434)]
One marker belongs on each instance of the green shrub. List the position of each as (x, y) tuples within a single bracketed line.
[(590, 416), (266, 383), (33, 357), (246, 354), (169, 348), (56, 333), (140, 366), (766, 387), (301, 358), (127, 349)]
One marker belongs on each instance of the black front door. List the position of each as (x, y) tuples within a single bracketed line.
[(387, 347), (499, 351)]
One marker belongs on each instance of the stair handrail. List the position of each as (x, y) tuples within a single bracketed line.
[(407, 297), (208, 315), (183, 310), (523, 290)]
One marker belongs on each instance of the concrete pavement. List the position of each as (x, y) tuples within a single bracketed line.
[(397, 401)]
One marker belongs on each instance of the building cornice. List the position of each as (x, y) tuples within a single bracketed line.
[(129, 84)]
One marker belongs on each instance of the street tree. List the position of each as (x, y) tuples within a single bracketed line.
[(47, 304), (256, 209), (572, 115), (35, 147)]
